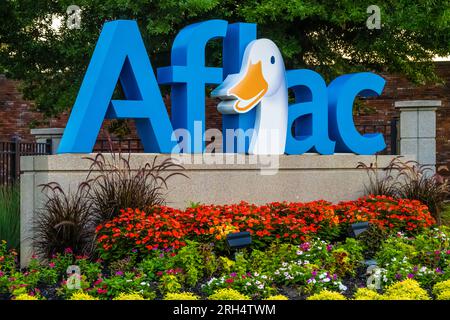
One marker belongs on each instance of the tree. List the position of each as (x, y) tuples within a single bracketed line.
[(329, 36)]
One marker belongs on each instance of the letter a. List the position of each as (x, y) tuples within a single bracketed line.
[(119, 55)]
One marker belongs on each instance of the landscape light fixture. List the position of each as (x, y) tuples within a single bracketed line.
[(239, 240), (358, 228)]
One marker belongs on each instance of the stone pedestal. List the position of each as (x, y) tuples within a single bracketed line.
[(418, 130), (213, 179)]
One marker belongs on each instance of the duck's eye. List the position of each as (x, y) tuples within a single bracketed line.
[(272, 59)]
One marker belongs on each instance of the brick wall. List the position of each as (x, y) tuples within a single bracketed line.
[(16, 114)]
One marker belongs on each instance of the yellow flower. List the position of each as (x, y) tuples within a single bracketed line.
[(228, 294), (367, 294), (129, 296), (181, 296), (80, 295), (25, 296), (405, 290), (277, 297), (327, 295)]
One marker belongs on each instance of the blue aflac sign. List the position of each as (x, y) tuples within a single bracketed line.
[(252, 87)]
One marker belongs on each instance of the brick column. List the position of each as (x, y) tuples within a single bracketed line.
[(418, 129)]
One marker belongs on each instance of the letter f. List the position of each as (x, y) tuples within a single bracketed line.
[(189, 76)]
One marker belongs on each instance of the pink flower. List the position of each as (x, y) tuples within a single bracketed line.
[(101, 291), (51, 265), (68, 251), (229, 280)]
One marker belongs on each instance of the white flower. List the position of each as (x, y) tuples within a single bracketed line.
[(284, 264), (342, 287), (248, 284), (261, 287), (256, 274), (143, 283), (264, 276), (299, 252), (326, 280)]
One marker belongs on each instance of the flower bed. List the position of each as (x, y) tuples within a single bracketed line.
[(299, 251), (167, 228)]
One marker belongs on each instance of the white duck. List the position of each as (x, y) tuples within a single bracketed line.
[(261, 80)]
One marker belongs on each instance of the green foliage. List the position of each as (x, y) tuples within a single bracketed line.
[(371, 240), (254, 285), (169, 283), (10, 215), (425, 258), (329, 36), (347, 257), (127, 283), (190, 259)]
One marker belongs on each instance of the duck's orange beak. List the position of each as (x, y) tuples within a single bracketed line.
[(250, 89)]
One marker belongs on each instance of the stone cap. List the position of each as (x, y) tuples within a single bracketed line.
[(417, 104), (47, 132)]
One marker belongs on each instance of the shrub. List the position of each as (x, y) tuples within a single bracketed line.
[(181, 296), (80, 295), (367, 294), (420, 183), (169, 283), (8, 258), (64, 221), (116, 186), (405, 290), (129, 282), (25, 297), (440, 287), (409, 180), (253, 285), (444, 295), (10, 215), (372, 239), (129, 296), (228, 294), (277, 297), (327, 295), (381, 180)]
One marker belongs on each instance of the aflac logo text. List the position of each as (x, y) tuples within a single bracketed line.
[(252, 87)]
